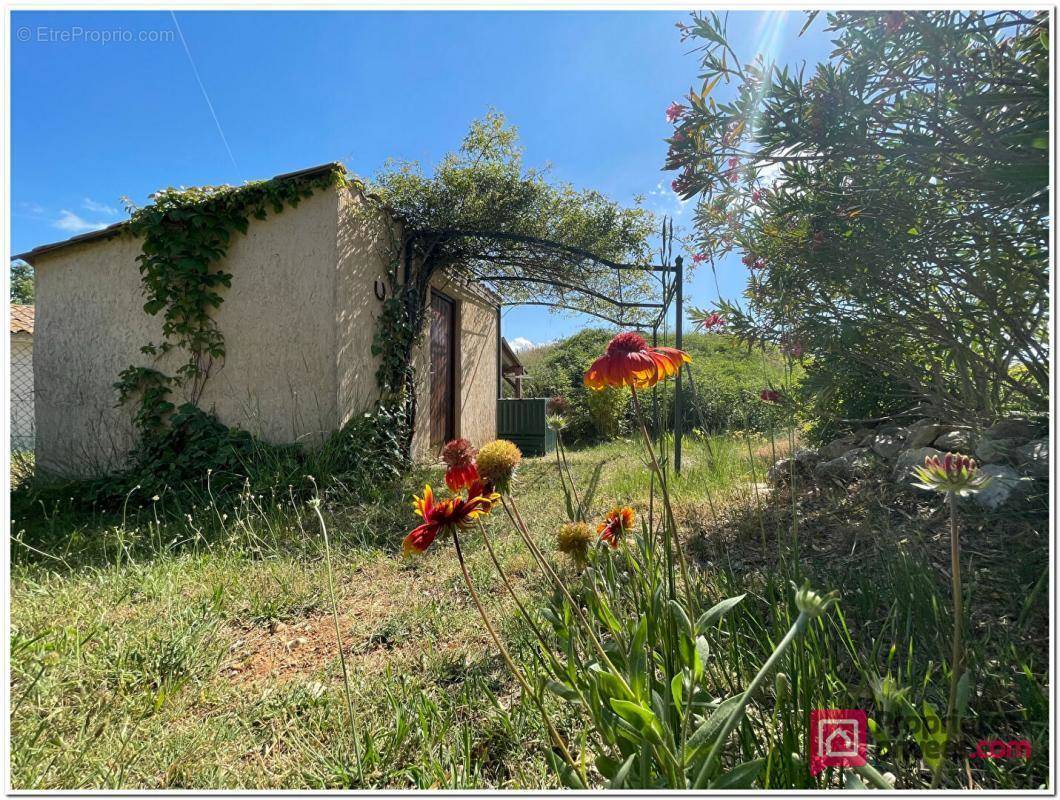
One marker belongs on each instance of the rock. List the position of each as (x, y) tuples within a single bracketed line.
[(1033, 458), (1005, 488), (923, 433), (858, 463), (887, 445), (1019, 428), (889, 429), (908, 459), (961, 440), (836, 447), (780, 473), (864, 436), (994, 451)]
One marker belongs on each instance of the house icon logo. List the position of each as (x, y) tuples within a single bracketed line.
[(838, 738)]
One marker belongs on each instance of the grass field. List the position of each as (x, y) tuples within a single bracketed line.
[(194, 647)]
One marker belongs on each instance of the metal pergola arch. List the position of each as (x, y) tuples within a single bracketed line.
[(670, 277)]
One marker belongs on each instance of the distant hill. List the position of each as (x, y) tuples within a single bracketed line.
[(727, 379)]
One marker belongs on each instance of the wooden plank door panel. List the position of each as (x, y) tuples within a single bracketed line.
[(442, 370)]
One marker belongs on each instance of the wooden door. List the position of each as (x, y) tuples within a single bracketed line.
[(443, 370)]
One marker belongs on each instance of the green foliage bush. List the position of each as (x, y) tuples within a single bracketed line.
[(890, 216), (195, 453), (722, 395)]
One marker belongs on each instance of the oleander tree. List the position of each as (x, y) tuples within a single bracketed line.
[(891, 203)]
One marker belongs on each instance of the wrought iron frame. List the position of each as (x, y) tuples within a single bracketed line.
[(670, 277)]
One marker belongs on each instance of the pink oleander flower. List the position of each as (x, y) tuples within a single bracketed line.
[(756, 195), (734, 162), (710, 322), (675, 112), (770, 396), (894, 21), (698, 258)]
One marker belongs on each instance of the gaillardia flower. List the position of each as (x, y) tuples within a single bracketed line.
[(629, 361), (555, 422), (574, 540), (617, 523), (444, 517), (951, 473), (459, 458), (557, 404), (497, 462)]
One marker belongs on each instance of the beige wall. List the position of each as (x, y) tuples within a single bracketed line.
[(363, 258), (278, 378), (298, 323), (476, 374)]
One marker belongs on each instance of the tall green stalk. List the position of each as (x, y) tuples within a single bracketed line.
[(957, 656), (315, 505), (552, 732)]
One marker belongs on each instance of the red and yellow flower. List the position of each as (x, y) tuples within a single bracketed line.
[(629, 361), (459, 458), (446, 516), (617, 523)]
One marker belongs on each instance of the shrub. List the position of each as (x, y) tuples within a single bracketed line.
[(722, 395)]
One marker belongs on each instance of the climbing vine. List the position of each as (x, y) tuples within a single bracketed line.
[(186, 232)]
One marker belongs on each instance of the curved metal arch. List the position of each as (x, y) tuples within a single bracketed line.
[(548, 244), (561, 285), (565, 307)]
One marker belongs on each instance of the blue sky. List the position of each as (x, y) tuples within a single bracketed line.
[(94, 120)]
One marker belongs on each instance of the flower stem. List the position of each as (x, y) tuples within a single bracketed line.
[(511, 590), (553, 733), (671, 525), (957, 657), (520, 526), (737, 714), (338, 640)]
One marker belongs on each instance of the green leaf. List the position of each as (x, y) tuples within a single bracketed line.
[(931, 736), (741, 776), (701, 656), (567, 776), (715, 612), (852, 781), (619, 781), (677, 691), (642, 719), (680, 617), (963, 690), (704, 735), (564, 690)]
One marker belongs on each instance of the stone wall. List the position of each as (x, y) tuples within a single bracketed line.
[(1013, 452)]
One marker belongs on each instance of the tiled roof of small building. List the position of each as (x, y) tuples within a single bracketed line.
[(22, 319)]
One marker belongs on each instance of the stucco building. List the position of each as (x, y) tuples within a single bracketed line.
[(298, 321)]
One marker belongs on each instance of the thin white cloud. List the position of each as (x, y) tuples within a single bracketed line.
[(31, 208), (100, 208), (521, 343), (70, 222)]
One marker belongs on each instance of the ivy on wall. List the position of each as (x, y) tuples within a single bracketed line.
[(186, 232)]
